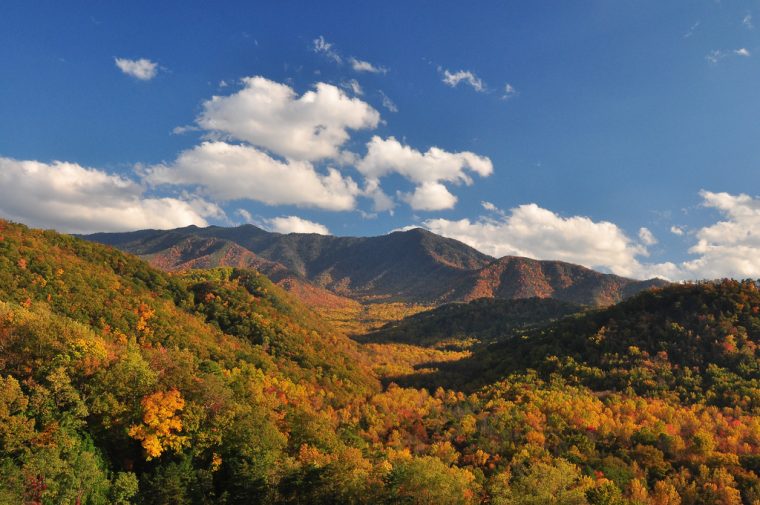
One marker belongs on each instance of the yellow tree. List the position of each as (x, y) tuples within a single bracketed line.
[(161, 424)]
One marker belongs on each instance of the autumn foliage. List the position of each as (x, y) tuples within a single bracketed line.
[(123, 384), (161, 424)]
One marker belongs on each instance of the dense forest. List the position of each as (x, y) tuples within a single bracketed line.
[(125, 384)]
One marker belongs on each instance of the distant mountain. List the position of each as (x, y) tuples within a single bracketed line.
[(410, 266), (513, 277)]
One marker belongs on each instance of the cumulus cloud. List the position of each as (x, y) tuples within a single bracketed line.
[(227, 172), (142, 69), (427, 170), (381, 201), (77, 199), (727, 248), (430, 196), (489, 206), (386, 156), (271, 115), (295, 224), (676, 230), (365, 66), (731, 247), (529, 230), (454, 78)]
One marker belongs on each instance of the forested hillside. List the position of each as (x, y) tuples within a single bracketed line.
[(124, 384)]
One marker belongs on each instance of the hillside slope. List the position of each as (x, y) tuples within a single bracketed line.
[(691, 342), (112, 372), (123, 384)]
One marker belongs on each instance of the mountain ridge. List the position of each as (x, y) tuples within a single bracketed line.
[(412, 266)]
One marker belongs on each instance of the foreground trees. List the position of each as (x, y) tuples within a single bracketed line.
[(120, 384)]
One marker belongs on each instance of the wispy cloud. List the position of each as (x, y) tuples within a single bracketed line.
[(365, 66), (388, 103), (747, 21), (691, 30), (142, 69), (647, 237), (716, 55), (353, 86), (321, 46), (454, 78), (509, 92)]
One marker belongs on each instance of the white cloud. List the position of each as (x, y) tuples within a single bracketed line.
[(234, 172), (320, 45), (453, 79), (691, 30), (365, 66), (647, 237), (270, 115), (247, 216), (381, 201), (430, 196), (354, 86), (295, 224), (427, 170), (716, 55), (509, 92), (489, 206), (386, 156), (534, 232), (388, 103), (142, 69), (76, 199), (728, 248), (747, 21)]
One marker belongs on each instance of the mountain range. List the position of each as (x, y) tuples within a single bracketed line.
[(414, 266)]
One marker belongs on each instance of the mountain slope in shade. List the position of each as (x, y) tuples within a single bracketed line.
[(484, 319), (194, 252), (414, 266), (697, 342)]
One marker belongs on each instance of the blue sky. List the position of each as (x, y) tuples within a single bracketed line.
[(578, 123)]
